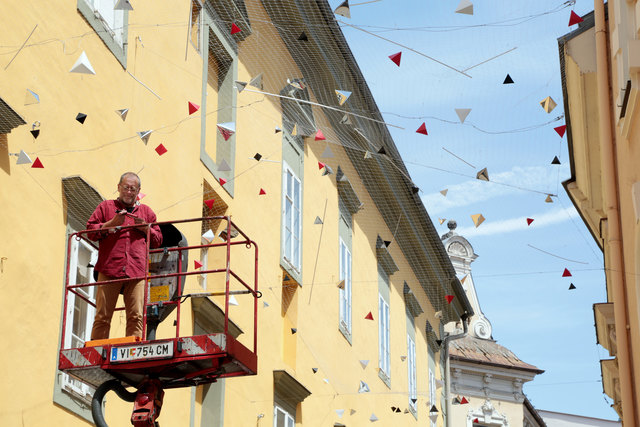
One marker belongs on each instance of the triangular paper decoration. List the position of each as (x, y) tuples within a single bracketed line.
[(343, 9), (571, 287), (35, 133), (327, 153), (233, 300), (278, 129), (340, 412), (321, 165), (475, 420), (37, 164), (465, 277), (548, 104), (483, 175), (507, 80), (406, 410), (342, 95), (346, 120), (414, 189), (413, 400), (265, 304), (441, 220), (456, 400), (224, 166), (197, 264), (555, 161), (574, 18), (477, 219), (341, 284), (352, 411), (256, 81), (463, 113), (364, 363), (403, 358), (31, 98), (123, 5), (382, 150), (463, 401), (326, 380), (433, 409), (82, 65), (193, 107), (303, 37), (23, 158), (368, 155), (422, 129), (294, 131), (466, 7), (373, 418), (234, 28), (208, 236), (319, 136), (449, 298), (566, 273), (369, 316), (161, 149), (140, 196), (560, 130), (363, 388), (529, 221), (123, 113), (548, 199), (145, 135), (396, 58), (395, 409), (209, 203), (444, 192), (257, 156), (327, 170), (293, 330), (222, 181), (439, 384), (315, 370), (227, 129), (262, 192), (387, 243), (81, 117), (318, 221), (240, 85)]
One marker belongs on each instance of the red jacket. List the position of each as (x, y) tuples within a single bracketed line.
[(123, 253)]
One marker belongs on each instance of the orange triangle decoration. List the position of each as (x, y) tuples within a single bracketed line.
[(574, 18), (396, 58), (561, 130), (37, 164), (209, 203), (234, 28), (449, 298), (193, 107), (320, 136), (321, 165), (566, 273), (422, 129), (222, 181), (529, 221), (262, 192), (369, 316), (197, 264), (160, 149)]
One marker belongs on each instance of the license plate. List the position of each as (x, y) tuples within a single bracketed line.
[(141, 352)]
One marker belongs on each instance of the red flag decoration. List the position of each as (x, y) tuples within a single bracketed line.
[(37, 164), (561, 130), (529, 221), (396, 58), (475, 420), (209, 203), (262, 192), (234, 28), (566, 273), (197, 264), (160, 149), (422, 129), (321, 165), (369, 316), (449, 298), (320, 136), (223, 181), (193, 107), (463, 401), (574, 19), (140, 196)]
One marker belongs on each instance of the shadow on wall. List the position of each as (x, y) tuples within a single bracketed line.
[(4, 154)]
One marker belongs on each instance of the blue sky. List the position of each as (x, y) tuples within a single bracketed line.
[(520, 287)]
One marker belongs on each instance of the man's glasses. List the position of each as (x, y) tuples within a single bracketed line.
[(129, 189)]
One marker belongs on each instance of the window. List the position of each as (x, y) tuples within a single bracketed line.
[(432, 392), (411, 366), (345, 291), (110, 25), (282, 418), (196, 23), (291, 218), (384, 359), (80, 313)]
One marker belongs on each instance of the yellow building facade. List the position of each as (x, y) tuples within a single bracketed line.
[(353, 277), (600, 62)]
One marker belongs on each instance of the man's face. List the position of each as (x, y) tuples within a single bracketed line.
[(128, 190)]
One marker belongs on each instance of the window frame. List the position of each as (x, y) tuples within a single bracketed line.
[(198, 44), (291, 263), (432, 393), (345, 294), (287, 415), (412, 374), (99, 23), (384, 339)]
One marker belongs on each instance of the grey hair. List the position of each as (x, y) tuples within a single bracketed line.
[(126, 174)]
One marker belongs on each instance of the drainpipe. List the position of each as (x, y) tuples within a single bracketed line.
[(447, 369), (614, 236)]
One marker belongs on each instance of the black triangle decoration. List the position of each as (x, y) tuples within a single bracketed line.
[(571, 287), (382, 151), (507, 80), (35, 133), (555, 161), (81, 117), (258, 156), (314, 370), (414, 189), (303, 37)]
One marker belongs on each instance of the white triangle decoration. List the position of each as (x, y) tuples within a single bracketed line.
[(343, 9), (463, 113), (233, 300), (23, 158), (465, 7), (123, 5), (208, 237), (82, 65), (123, 113), (145, 135), (340, 412), (224, 166), (256, 81)]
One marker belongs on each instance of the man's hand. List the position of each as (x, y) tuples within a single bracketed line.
[(116, 220), (144, 225)]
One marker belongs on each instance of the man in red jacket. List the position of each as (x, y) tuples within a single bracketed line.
[(122, 255)]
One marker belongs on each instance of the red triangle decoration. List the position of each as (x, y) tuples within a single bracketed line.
[(197, 264), (37, 163), (209, 203), (234, 28), (369, 316), (160, 149), (262, 192), (529, 221), (449, 298), (193, 107), (566, 273), (561, 130), (321, 165), (475, 420), (463, 401), (320, 136), (422, 129), (222, 181), (396, 58), (574, 18)]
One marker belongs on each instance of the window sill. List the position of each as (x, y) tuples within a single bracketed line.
[(384, 377), (345, 333)]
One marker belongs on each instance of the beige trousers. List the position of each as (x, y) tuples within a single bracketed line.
[(106, 298)]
